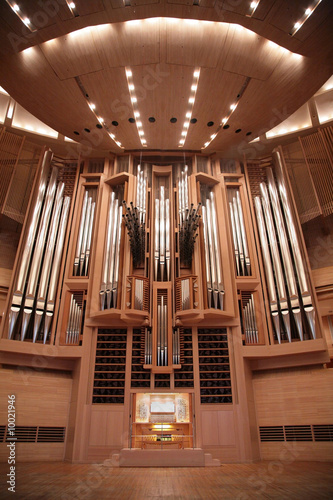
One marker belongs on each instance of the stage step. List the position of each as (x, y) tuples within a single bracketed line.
[(210, 461), (188, 457)]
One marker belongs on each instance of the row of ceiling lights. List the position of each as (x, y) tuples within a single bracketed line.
[(28, 23), (191, 100), (134, 101)]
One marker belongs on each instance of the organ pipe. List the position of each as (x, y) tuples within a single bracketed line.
[(19, 286), (296, 249)]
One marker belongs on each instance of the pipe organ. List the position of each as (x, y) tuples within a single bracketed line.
[(169, 218), (165, 263)]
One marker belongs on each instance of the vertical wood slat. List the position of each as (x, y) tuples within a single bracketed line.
[(10, 149), (317, 154)]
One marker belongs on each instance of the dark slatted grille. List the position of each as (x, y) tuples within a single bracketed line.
[(214, 367), (109, 380), (162, 380), (51, 435), (298, 432), (140, 377), (271, 433), (323, 432), (184, 376), (22, 434), (2, 433)]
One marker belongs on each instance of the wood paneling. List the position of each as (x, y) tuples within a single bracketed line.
[(294, 397), (106, 428)]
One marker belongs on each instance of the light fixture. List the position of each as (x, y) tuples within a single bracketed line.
[(17, 10), (253, 8), (307, 13), (191, 100), (131, 89)]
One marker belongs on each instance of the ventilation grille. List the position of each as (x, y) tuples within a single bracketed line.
[(323, 432), (2, 433), (271, 433), (215, 380), (109, 379), (51, 435), (22, 434), (140, 377), (296, 433), (35, 434), (184, 376)]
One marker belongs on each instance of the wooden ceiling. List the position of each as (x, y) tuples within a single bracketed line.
[(67, 62)]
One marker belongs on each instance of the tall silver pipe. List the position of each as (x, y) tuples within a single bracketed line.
[(234, 237), (268, 268), (19, 286), (51, 296), (276, 259), (207, 256), (212, 253), (286, 257), (296, 249), (243, 234), (85, 237), (109, 283), (38, 253), (80, 234), (167, 238), (89, 237), (47, 262), (117, 259), (69, 322), (107, 246), (159, 335), (239, 237), (254, 319), (162, 231), (157, 236), (217, 252)]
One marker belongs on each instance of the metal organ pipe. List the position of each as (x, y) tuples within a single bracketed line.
[(295, 246), (80, 235), (273, 299), (56, 267), (276, 259), (110, 269), (46, 269), (38, 253), (286, 257)]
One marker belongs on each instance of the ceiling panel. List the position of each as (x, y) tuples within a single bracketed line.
[(85, 7), (243, 50), (108, 90), (164, 91), (72, 55), (217, 90), (194, 43)]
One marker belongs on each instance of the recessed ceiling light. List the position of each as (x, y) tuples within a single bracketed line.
[(151, 119), (16, 8), (128, 72), (133, 99), (136, 114), (139, 124), (226, 126), (210, 124), (184, 132), (188, 114), (248, 133), (193, 120), (186, 124), (87, 130), (131, 120), (99, 125), (173, 120), (131, 86), (238, 130), (115, 123), (196, 74), (191, 100), (194, 87), (76, 132)]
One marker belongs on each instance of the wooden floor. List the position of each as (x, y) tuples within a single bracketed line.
[(271, 480)]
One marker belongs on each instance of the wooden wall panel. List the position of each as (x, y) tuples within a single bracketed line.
[(294, 397), (106, 428), (218, 428)]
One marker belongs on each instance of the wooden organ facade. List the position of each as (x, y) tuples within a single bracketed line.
[(152, 302)]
